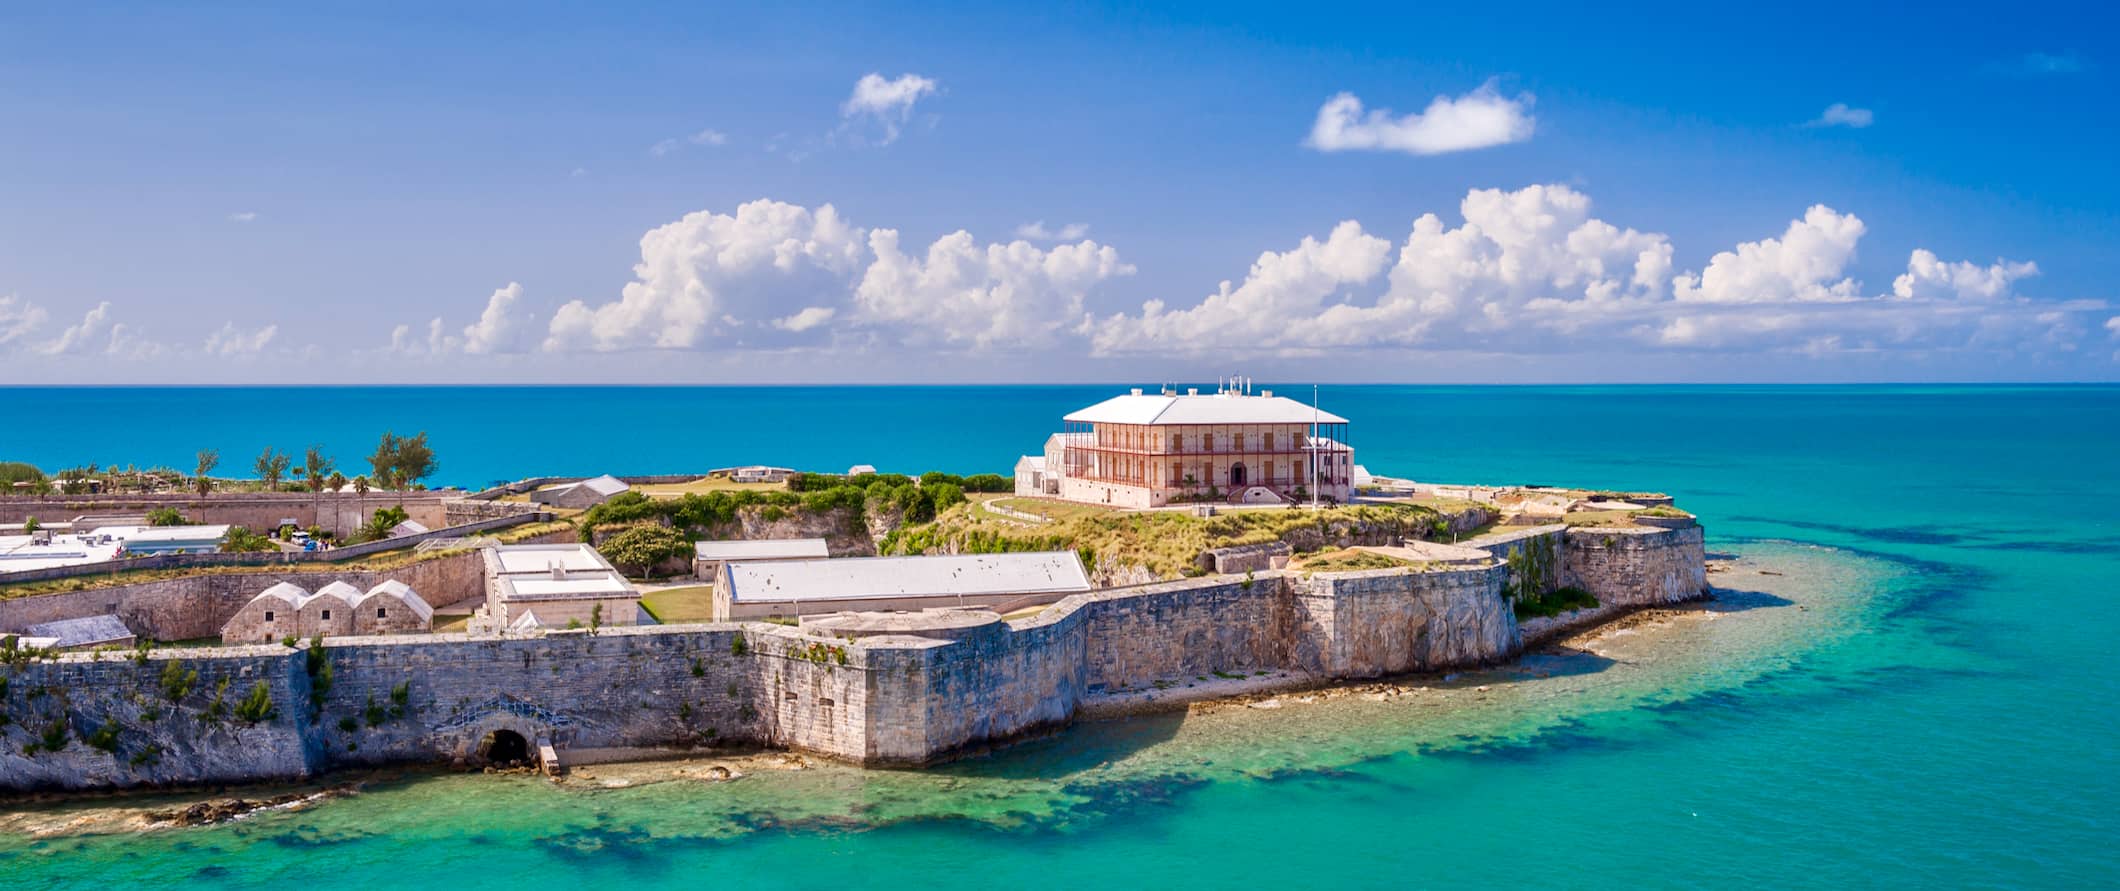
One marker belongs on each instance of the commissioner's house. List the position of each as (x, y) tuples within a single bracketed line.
[(1149, 450)]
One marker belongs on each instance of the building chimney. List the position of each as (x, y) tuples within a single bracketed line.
[(1137, 391), (1192, 391), (1268, 394)]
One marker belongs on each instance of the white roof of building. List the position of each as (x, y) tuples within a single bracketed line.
[(880, 577), (576, 586), (605, 484), (1034, 462), (762, 549), (409, 527), (140, 534), (528, 622), (82, 632), (540, 558), (860, 469), (1212, 408), (397, 590)]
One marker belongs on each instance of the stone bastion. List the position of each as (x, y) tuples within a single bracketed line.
[(881, 690)]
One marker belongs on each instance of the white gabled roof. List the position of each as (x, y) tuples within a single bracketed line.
[(1035, 462), (762, 549), (1208, 409), (397, 590), (604, 485), (880, 577)]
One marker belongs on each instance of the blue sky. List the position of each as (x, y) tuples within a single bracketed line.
[(229, 194)]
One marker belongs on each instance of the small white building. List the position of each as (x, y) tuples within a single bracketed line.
[(708, 556), (1033, 480), (860, 469), (563, 583), (582, 494), (798, 588)]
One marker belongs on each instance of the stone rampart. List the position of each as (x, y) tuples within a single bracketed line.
[(885, 699), (1636, 566), (340, 512)]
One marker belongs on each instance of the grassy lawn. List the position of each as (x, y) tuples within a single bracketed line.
[(1349, 560), (1049, 508), (676, 606), (451, 625), (706, 484), (1599, 518)]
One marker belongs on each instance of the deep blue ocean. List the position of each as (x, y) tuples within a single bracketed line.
[(1914, 688)]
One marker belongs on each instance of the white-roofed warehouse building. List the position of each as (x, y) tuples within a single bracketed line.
[(708, 556), (797, 588), (563, 583)]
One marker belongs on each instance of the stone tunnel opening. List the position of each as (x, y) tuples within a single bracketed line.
[(504, 748)]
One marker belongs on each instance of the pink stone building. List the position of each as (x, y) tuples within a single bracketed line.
[(1233, 446)]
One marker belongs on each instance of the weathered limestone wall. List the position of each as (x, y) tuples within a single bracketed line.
[(340, 513), (198, 606), (1537, 549), (885, 699), (156, 740), (1392, 621), (1636, 566), (1137, 635)]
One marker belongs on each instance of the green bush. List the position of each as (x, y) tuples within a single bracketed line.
[(644, 546), (241, 540), (178, 681), (165, 516), (1553, 603), (257, 706)]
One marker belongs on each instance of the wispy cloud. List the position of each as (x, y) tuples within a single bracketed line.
[(707, 137), (1037, 231), (1840, 114), (2040, 64), (243, 216), (888, 103), (1479, 119)]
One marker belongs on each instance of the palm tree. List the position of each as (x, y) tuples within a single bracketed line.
[(360, 488), (208, 460), (317, 465), (271, 465)]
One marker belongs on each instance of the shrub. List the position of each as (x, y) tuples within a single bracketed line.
[(105, 738), (1553, 603), (177, 681), (240, 540), (645, 546), (165, 516), (257, 706)]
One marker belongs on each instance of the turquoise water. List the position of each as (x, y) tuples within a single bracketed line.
[(1922, 695)]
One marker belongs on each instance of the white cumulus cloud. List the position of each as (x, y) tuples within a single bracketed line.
[(244, 216), (1803, 264), (809, 317), (772, 269), (888, 103), (231, 341), (95, 333), (983, 295), (1479, 119), (18, 317), (708, 265), (1531, 272), (1839, 114), (500, 327), (1928, 277)]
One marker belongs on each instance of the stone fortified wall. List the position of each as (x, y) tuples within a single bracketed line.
[(196, 606), (1636, 566), (339, 512), (887, 699)]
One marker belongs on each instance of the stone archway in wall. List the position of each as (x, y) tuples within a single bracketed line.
[(501, 738), (1237, 478), (503, 747)]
